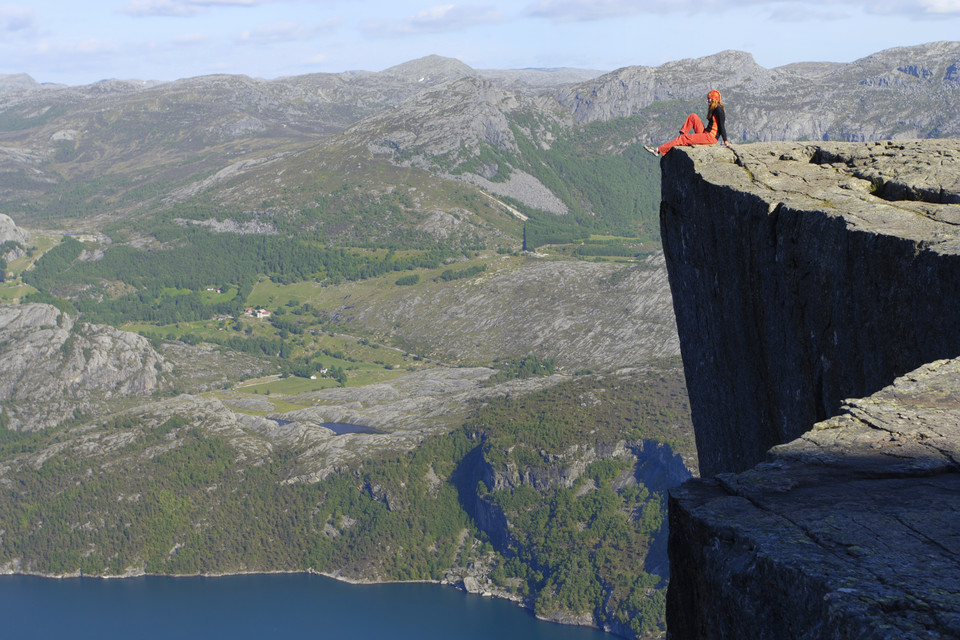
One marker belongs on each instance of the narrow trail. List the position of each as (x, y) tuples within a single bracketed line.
[(512, 211)]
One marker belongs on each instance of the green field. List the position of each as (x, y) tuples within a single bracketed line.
[(12, 291), (270, 295)]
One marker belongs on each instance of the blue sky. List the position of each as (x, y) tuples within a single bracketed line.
[(78, 42)]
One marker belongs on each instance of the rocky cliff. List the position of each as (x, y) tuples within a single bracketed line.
[(804, 275), (52, 367), (10, 232), (850, 531)]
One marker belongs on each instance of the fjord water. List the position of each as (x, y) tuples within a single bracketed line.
[(260, 606)]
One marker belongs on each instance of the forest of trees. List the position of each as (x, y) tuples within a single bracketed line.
[(198, 259), (198, 507), (606, 193)]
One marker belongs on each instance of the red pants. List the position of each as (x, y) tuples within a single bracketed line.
[(699, 135)]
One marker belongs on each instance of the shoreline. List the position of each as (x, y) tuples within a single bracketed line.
[(8, 571), (502, 595)]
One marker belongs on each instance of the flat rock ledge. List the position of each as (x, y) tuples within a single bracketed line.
[(850, 531)]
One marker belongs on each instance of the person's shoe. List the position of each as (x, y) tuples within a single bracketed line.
[(652, 150)]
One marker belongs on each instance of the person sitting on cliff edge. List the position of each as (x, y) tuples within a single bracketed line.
[(701, 135)]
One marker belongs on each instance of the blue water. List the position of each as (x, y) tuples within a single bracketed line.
[(345, 427), (338, 428), (260, 606)]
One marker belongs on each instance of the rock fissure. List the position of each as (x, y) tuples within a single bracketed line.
[(825, 544), (950, 555), (949, 455)]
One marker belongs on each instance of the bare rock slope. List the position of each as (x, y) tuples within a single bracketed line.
[(52, 366), (583, 315), (10, 232)]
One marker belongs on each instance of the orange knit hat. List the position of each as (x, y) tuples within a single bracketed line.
[(714, 95)]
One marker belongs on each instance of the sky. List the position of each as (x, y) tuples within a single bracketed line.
[(79, 42)]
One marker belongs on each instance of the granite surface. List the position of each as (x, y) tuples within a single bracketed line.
[(817, 290), (804, 274), (850, 531)]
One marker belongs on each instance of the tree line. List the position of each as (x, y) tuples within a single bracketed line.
[(196, 259)]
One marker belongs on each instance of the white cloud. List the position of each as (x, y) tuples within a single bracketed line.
[(93, 46), (287, 32), (192, 38), (908, 8), (795, 12), (181, 8), (159, 8), (16, 19), (587, 10), (229, 3), (590, 10), (77, 48), (278, 32), (941, 6), (444, 18)]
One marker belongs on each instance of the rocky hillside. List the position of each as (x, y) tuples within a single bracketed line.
[(902, 93), (117, 146), (228, 482), (52, 367), (582, 315), (10, 232)]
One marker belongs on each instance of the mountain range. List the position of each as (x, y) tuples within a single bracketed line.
[(148, 145), (207, 280)]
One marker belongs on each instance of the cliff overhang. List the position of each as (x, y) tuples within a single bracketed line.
[(804, 275)]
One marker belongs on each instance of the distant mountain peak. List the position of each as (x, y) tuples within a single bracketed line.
[(723, 65), (16, 81), (433, 67)]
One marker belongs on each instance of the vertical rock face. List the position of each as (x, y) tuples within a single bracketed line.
[(802, 276)]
